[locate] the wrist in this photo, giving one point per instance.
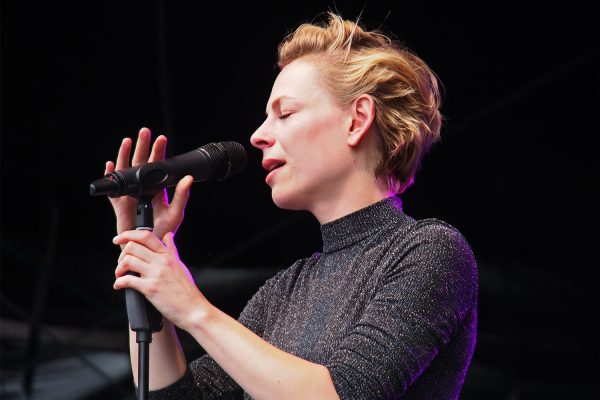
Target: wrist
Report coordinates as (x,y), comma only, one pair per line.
(200,317)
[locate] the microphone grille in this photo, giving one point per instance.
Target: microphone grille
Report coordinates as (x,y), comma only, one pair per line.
(228,158)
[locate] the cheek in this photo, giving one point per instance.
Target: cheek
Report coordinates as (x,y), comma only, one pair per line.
(330,141)
(322,162)
(315,144)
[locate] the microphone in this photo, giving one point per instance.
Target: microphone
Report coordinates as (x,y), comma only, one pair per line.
(211,162)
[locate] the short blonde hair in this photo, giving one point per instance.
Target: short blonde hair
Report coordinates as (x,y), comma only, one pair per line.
(405,90)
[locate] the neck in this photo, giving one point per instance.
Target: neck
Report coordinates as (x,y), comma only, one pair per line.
(354,195)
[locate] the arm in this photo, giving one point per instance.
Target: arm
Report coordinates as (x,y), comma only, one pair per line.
(425,293)
(261,369)
(168,361)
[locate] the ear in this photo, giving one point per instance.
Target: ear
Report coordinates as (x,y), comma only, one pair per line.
(363,114)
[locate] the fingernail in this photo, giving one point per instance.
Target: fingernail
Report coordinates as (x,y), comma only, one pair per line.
(115,239)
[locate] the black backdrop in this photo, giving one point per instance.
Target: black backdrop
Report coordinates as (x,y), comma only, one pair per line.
(515,171)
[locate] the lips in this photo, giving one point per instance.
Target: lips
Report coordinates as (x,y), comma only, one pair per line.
(272,165)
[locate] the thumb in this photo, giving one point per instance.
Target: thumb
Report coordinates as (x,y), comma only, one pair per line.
(168,240)
(182,194)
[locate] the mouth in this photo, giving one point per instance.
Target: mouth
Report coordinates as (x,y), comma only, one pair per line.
(272,166)
(276,166)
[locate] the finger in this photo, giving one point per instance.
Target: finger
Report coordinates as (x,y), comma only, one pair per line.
(169,241)
(137,250)
(109,167)
(142,237)
(133,264)
(130,281)
(159,149)
(182,194)
(142,146)
(124,153)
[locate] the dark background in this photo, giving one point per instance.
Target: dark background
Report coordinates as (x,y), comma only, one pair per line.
(515,172)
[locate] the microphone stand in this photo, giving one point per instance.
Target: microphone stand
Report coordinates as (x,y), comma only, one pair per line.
(144,318)
(214,161)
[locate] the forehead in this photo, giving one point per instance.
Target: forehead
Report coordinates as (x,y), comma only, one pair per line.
(300,80)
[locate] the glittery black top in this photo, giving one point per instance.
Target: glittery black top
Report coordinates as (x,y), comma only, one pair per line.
(389,307)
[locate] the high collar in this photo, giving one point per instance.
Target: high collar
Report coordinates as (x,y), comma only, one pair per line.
(359,224)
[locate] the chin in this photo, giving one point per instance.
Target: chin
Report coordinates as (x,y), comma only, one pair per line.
(288,201)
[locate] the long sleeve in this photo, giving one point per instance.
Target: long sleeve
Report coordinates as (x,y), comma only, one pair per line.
(389,307)
(204,378)
(417,309)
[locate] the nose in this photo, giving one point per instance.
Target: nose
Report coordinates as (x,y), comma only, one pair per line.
(261,138)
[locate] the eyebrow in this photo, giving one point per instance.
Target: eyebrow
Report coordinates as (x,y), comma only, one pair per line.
(277,101)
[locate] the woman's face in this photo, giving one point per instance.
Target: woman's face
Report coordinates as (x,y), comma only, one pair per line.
(303,139)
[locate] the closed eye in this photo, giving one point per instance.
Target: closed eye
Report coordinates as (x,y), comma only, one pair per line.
(284,116)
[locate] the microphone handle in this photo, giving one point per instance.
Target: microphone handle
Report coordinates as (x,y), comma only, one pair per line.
(143,317)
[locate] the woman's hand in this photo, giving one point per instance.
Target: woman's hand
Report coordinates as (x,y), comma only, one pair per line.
(164,279)
(168,284)
(167,218)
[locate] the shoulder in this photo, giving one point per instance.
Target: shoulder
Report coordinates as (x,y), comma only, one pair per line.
(408,234)
(287,277)
(435,249)
(432,231)
(444,241)
(268,299)
(434,258)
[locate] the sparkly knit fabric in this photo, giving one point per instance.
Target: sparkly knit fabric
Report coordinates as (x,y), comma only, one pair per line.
(389,307)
